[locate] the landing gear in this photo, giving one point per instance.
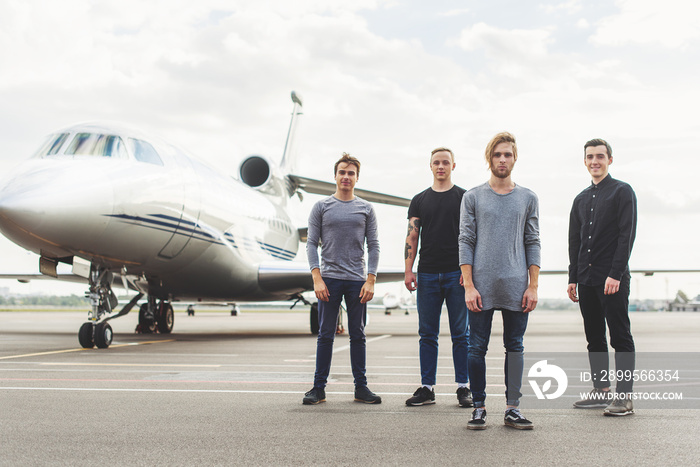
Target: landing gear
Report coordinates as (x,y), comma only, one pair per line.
(156,317)
(235,310)
(97,332)
(102,302)
(85,336)
(166,318)
(147,318)
(103,335)
(314,318)
(190,310)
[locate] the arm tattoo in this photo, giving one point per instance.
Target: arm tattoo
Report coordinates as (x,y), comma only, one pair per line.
(407,251)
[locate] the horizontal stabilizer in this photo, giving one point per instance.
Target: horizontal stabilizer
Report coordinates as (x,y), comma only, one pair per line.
(320,187)
(294,277)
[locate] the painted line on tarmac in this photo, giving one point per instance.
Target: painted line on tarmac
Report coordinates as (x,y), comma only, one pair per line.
(212,391)
(346,347)
(169,365)
(53,352)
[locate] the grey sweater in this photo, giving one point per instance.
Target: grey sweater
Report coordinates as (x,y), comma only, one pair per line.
(499,236)
(341,228)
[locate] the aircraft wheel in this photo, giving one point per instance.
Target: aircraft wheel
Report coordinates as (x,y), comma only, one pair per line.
(190,310)
(103,335)
(166,318)
(85,336)
(146,325)
(313,315)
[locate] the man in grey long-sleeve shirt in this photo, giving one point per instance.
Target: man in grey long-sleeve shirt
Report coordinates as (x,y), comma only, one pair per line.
(499,255)
(341,223)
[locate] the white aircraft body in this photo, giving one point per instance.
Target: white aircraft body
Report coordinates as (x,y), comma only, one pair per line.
(124,208)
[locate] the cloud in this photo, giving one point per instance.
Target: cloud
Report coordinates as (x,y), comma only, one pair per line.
(670,24)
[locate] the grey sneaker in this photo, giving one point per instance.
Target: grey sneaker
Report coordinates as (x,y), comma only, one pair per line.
(422,396)
(478,420)
(619,407)
(315,396)
(363,394)
(464,397)
(515,419)
(596,399)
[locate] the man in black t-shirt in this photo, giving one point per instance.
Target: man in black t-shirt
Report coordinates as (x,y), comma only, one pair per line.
(433,216)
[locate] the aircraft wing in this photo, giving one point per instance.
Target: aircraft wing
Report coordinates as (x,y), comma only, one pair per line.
(24,278)
(646,272)
(320,187)
(294,277)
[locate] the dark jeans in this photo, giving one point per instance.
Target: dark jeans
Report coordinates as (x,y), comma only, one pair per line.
(328,319)
(597,309)
(433,291)
(514,325)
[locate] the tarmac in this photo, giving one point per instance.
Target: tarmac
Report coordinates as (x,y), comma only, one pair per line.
(223,390)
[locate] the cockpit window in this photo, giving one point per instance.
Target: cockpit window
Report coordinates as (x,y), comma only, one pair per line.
(144,151)
(52,145)
(92,144)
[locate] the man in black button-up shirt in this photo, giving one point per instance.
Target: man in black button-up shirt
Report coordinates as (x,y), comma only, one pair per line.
(602,228)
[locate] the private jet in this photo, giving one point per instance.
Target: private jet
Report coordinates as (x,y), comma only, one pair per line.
(126,209)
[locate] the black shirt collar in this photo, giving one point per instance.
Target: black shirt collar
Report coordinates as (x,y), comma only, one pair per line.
(603,182)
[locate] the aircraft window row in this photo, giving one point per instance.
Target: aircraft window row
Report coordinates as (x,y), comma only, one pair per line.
(280,225)
(92,144)
(144,151)
(52,145)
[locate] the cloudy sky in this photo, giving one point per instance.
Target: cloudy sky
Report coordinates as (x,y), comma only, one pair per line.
(387,81)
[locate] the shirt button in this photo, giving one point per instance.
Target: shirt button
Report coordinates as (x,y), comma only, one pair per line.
(591,209)
(589,236)
(590,264)
(589,251)
(590,223)
(594,196)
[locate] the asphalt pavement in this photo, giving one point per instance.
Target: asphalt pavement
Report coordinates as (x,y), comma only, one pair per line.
(223,390)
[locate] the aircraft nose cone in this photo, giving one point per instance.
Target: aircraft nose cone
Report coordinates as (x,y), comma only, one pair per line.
(47,208)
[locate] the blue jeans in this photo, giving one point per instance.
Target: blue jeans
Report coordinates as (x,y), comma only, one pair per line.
(328,320)
(514,325)
(433,291)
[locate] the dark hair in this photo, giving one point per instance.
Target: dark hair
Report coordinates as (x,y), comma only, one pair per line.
(598,142)
(347,158)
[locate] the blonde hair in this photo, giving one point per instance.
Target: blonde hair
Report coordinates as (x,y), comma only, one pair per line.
(440,150)
(502,137)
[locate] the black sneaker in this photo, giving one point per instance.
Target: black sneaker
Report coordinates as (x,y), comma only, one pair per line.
(464,397)
(422,396)
(478,420)
(515,419)
(596,399)
(619,407)
(315,396)
(363,394)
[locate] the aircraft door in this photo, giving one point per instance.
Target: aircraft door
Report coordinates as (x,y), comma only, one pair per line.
(189,214)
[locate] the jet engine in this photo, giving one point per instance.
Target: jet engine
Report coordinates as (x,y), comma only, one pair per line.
(259,173)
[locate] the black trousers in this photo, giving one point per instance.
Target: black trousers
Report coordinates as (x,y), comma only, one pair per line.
(598,309)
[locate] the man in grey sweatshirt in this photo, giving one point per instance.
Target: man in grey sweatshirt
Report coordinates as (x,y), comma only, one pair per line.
(499,255)
(340,224)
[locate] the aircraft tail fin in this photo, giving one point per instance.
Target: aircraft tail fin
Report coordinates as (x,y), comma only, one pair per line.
(288,159)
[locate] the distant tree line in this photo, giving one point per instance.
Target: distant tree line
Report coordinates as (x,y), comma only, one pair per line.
(67,301)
